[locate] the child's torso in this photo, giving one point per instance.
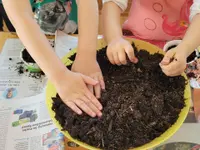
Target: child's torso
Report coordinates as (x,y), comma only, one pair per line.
(158,19)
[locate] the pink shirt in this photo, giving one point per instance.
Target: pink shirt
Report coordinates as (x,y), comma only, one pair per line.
(158,19)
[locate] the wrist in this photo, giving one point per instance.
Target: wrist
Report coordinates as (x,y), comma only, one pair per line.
(114,38)
(186,48)
(59,75)
(86,55)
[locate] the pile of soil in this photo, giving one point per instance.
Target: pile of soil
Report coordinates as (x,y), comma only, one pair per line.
(27,57)
(139,104)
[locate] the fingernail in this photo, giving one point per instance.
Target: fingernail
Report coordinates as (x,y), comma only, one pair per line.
(98,97)
(166,59)
(102,85)
(100,114)
(100,107)
(80,112)
(124,63)
(93,115)
(135,60)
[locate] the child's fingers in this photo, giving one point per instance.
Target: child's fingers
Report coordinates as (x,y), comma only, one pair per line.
(89,80)
(110,58)
(84,106)
(97,89)
(167,58)
(71,105)
(122,57)
(92,106)
(102,83)
(170,74)
(90,87)
(172,69)
(116,59)
(93,99)
(129,51)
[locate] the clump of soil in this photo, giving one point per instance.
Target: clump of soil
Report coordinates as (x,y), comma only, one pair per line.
(27,57)
(138,105)
(20,68)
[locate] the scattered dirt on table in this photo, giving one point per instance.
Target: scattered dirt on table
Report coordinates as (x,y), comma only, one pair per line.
(138,105)
(21,69)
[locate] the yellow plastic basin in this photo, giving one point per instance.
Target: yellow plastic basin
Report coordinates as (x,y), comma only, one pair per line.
(51,92)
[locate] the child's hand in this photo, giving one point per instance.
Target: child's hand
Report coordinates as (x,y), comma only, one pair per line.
(117,51)
(73,91)
(91,68)
(174,62)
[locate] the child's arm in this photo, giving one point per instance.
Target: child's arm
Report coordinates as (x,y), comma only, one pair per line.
(190,42)
(191,39)
(118,47)
(70,86)
(85,61)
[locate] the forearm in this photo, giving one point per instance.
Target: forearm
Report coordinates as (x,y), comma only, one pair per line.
(33,39)
(191,39)
(88,27)
(111,21)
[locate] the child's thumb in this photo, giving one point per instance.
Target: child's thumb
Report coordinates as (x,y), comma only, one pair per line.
(167,58)
(89,80)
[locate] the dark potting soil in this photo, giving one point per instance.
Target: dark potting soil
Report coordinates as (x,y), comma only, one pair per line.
(27,57)
(20,68)
(191,57)
(173,46)
(137,106)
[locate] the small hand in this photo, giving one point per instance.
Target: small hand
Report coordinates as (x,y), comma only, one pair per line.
(117,51)
(73,91)
(174,62)
(90,68)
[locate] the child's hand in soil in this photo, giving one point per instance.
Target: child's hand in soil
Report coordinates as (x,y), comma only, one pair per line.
(91,68)
(73,91)
(117,51)
(174,62)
